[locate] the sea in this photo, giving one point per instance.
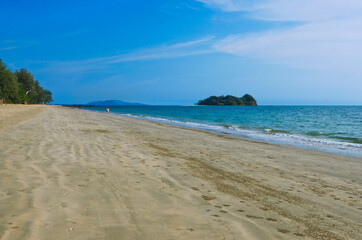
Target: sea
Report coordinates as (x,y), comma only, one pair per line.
(336,129)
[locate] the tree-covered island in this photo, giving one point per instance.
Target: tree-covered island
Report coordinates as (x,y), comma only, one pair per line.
(246,100)
(20,87)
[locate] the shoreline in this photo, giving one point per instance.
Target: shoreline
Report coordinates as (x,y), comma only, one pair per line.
(86,175)
(256,135)
(249,139)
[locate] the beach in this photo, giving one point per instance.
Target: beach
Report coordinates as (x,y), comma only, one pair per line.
(73,174)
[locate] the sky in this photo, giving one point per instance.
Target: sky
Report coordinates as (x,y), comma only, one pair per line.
(176,52)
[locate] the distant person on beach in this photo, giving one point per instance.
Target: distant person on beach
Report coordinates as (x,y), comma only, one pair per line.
(107,110)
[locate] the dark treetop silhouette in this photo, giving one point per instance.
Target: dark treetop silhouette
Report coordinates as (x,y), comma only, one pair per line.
(246,100)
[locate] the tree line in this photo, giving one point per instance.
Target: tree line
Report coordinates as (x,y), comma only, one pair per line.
(20,87)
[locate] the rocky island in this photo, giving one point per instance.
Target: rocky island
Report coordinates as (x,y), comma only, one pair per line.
(246,100)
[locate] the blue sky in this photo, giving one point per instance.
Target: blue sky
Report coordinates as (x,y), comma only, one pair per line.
(282,52)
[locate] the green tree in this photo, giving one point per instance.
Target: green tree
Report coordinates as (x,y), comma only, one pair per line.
(22,95)
(249,100)
(8,84)
(48,96)
(25,79)
(14,86)
(41,95)
(27,83)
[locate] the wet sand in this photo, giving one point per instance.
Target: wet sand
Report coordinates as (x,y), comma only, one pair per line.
(72,174)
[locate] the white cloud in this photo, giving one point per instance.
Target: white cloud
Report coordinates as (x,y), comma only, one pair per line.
(290,10)
(328,36)
(307,10)
(325,45)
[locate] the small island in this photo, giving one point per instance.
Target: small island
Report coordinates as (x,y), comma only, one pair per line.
(246,100)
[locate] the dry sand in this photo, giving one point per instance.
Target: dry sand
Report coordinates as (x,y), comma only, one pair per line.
(71,174)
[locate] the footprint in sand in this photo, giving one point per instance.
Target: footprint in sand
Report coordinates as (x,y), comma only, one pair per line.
(252,216)
(207,198)
(299,234)
(283,230)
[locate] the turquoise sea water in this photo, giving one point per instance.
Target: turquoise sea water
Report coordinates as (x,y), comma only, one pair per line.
(335,129)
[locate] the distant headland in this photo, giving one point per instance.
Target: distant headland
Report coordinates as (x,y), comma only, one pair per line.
(105,103)
(246,100)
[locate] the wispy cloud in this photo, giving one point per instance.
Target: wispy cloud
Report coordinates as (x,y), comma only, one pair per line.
(172,7)
(159,55)
(325,45)
(308,10)
(167,51)
(225,5)
(7,48)
(290,10)
(328,34)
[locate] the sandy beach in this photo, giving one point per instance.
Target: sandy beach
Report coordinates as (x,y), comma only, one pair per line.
(72,174)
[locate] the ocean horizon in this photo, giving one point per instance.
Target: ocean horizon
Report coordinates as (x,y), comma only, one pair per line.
(330,128)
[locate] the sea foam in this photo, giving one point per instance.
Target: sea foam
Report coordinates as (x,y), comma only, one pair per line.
(267,135)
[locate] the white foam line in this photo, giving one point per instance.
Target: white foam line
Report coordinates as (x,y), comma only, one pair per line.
(301,141)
